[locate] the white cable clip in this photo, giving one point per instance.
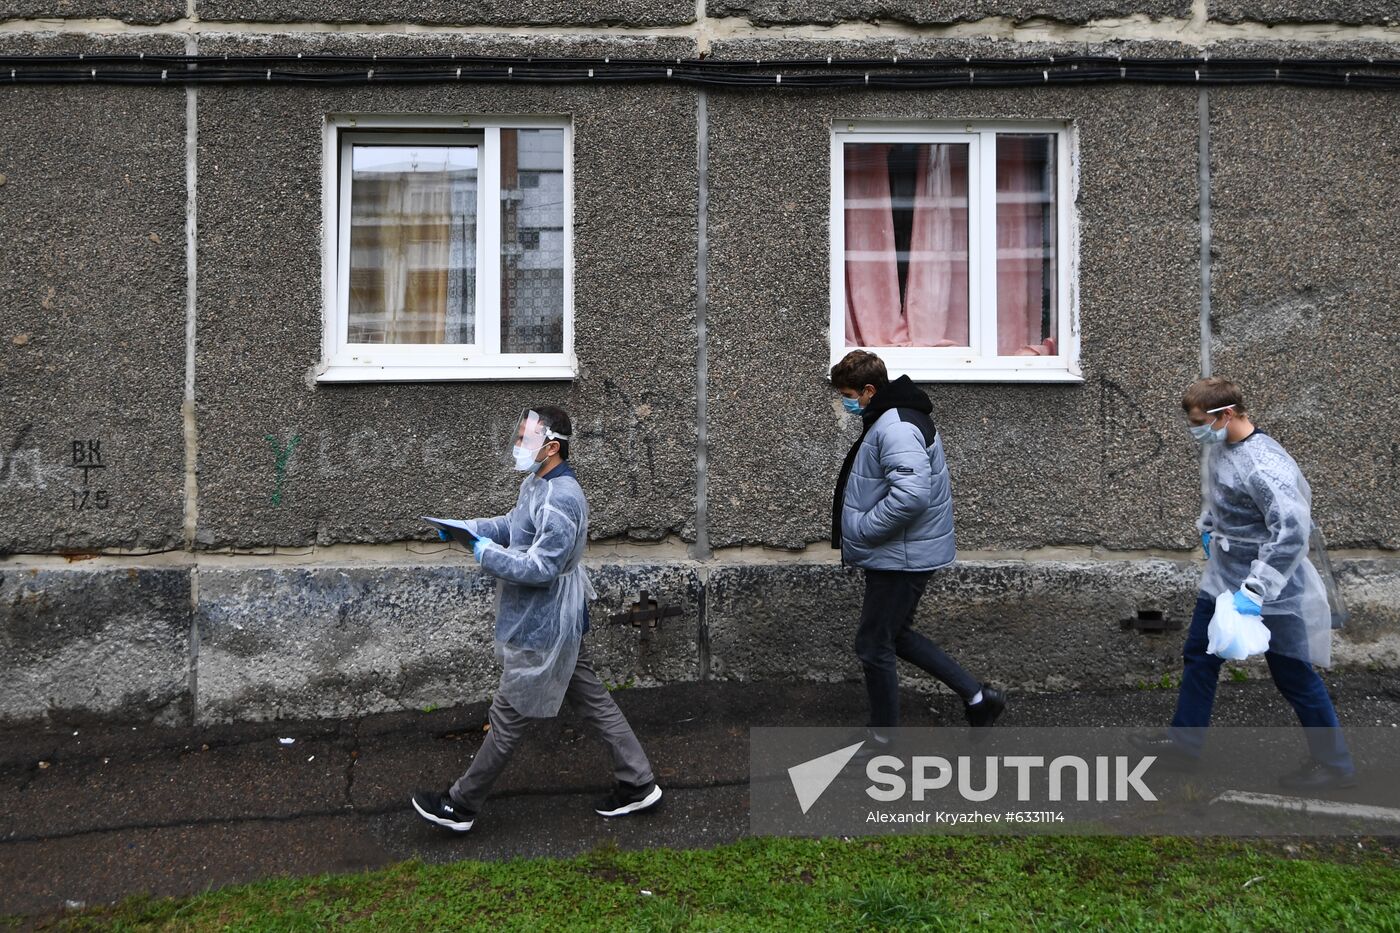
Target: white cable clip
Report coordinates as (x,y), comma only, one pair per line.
(298,55)
(370,76)
(1122,74)
(12,75)
(590,72)
(94,74)
(459,74)
(1346,78)
(269,74)
(607,59)
(163,73)
(867,77)
(1198,74)
(1047,76)
(510,72)
(970,76)
(780,79)
(828,59)
(668,72)
(895,60)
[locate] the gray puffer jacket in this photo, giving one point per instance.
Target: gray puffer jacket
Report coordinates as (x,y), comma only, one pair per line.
(894,501)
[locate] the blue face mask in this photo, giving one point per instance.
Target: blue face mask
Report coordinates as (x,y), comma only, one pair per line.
(852,405)
(1208,435)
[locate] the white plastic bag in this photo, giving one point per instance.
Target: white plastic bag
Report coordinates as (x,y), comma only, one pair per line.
(1233,635)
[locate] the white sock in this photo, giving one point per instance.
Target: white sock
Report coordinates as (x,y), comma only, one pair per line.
(975,700)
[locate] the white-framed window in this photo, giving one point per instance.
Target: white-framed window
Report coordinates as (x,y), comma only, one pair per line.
(448,250)
(952,249)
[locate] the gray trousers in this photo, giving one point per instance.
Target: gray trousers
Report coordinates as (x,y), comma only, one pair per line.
(590,700)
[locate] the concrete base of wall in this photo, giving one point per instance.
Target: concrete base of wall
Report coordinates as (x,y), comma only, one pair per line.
(262,643)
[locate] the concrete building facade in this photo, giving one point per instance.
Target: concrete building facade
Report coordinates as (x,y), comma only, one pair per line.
(203,518)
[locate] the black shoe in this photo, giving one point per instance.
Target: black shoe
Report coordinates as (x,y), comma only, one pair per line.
(1314,775)
(873,745)
(438,808)
(1172,754)
(986,711)
(629,798)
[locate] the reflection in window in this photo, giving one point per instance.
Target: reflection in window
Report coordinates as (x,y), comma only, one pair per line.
(413,244)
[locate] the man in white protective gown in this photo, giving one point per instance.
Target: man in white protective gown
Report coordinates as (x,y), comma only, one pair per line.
(1256,527)
(542,592)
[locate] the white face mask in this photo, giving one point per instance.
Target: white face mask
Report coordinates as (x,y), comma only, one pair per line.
(525,461)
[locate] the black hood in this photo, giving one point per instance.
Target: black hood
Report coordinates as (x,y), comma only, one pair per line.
(901,393)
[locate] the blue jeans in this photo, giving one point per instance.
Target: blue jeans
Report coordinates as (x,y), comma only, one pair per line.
(1295,679)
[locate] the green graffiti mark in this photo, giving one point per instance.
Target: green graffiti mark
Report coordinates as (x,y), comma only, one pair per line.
(283,455)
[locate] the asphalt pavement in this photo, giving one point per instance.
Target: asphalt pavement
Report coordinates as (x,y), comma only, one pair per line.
(90,814)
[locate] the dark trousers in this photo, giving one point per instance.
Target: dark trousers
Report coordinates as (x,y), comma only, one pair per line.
(591,701)
(1295,679)
(886,633)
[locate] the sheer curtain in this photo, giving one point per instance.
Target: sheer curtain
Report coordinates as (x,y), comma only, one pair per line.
(874,317)
(1025,246)
(919,298)
(935,303)
(933,310)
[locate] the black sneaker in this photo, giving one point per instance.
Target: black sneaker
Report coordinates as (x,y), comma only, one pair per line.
(873,746)
(629,798)
(1314,775)
(1172,754)
(438,808)
(986,711)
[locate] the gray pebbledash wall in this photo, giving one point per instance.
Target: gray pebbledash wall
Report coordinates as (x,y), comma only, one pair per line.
(250,549)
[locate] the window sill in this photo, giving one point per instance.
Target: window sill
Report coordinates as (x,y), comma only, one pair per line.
(1053,376)
(496,373)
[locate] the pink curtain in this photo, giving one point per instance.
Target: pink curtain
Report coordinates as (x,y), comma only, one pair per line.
(935,303)
(1025,240)
(873,316)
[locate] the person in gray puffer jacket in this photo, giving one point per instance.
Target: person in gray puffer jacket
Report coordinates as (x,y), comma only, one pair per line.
(893,517)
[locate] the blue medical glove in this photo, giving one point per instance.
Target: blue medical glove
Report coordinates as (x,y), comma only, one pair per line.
(478,546)
(1247,604)
(1205,543)
(443,536)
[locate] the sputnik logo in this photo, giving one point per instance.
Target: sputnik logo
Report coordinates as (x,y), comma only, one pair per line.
(811,778)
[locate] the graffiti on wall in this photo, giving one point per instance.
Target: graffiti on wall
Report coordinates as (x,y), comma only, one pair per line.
(24,468)
(87,457)
(282,455)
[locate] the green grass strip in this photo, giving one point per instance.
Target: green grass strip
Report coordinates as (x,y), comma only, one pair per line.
(917,883)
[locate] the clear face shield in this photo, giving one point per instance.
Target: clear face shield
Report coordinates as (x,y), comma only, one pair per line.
(532,433)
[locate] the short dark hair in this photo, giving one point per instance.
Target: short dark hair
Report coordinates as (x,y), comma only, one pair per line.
(858,369)
(1211,393)
(557,420)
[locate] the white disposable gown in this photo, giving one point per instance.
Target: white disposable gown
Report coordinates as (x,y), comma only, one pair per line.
(1258,509)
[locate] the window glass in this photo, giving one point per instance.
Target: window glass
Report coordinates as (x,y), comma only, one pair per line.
(906,217)
(413,244)
(532,241)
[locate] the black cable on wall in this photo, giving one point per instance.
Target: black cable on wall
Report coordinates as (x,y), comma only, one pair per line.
(816,74)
